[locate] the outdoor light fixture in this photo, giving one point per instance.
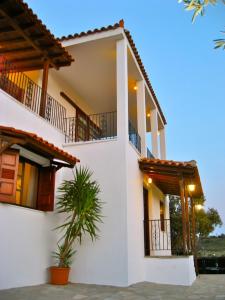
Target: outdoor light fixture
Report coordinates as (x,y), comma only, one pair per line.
(149,180)
(198,206)
(191,187)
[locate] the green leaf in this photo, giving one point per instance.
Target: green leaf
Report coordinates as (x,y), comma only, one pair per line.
(79,200)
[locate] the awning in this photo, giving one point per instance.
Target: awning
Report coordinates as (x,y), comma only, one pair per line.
(168,174)
(10,136)
(25,41)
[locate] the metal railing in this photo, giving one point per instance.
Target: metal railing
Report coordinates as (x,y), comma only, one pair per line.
(149,154)
(102,126)
(134,137)
(157,235)
(27,92)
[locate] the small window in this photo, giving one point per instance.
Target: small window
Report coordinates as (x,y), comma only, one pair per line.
(27,184)
(162,215)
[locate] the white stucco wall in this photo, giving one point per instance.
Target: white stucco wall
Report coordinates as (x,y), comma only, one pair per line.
(15,114)
(105,260)
(135,216)
(117,257)
(25,252)
(170,270)
(26,235)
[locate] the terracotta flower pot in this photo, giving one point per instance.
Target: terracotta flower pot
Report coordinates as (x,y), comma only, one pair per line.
(59,275)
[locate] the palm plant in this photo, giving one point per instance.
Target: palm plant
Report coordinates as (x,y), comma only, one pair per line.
(78,199)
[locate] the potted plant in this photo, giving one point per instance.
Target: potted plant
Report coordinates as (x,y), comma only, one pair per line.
(79,200)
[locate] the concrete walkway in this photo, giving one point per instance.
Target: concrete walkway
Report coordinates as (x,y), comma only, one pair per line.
(205,287)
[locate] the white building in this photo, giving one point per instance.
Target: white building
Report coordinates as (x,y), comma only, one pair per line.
(100,108)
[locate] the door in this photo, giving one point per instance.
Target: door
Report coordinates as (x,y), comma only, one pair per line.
(146,222)
(82,126)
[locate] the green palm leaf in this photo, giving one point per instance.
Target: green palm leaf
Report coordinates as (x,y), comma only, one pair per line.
(79,200)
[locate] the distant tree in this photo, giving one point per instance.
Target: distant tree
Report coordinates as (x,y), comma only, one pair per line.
(175,223)
(221,236)
(199,8)
(206,221)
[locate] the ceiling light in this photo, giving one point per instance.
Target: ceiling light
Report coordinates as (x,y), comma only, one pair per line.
(198,206)
(191,187)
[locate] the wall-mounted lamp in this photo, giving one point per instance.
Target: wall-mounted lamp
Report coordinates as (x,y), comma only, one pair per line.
(148,115)
(135,88)
(198,206)
(191,187)
(149,180)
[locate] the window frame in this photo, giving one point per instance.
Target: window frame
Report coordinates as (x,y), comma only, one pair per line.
(51,170)
(32,163)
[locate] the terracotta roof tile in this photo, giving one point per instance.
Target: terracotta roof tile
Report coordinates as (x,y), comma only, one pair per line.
(89,32)
(166,174)
(12,6)
(133,46)
(191,164)
(57,152)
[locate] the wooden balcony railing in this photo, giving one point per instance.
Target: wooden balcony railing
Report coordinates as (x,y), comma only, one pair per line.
(27,92)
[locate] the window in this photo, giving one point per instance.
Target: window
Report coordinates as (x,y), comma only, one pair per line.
(162,215)
(25,183)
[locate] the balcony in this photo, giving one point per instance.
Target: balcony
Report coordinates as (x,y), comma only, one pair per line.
(134,137)
(102,126)
(93,127)
(28,93)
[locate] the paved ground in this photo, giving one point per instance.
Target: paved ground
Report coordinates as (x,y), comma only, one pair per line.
(205,287)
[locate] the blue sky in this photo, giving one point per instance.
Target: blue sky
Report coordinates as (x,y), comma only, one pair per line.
(187,74)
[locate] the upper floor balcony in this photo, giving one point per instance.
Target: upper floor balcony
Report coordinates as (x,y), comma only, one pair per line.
(104,95)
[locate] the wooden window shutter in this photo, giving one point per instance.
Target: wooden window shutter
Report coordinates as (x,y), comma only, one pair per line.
(8,175)
(46,189)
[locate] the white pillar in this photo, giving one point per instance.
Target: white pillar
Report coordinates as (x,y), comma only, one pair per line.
(141,116)
(167,207)
(154,132)
(122,90)
(162,144)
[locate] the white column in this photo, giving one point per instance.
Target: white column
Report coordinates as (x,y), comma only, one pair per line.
(167,207)
(154,132)
(162,144)
(122,90)
(141,116)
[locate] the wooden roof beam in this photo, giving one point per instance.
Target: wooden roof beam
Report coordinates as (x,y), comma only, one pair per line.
(159,170)
(28,39)
(12,42)
(17,51)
